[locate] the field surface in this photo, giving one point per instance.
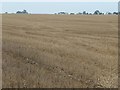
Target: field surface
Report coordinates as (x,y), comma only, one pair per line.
(59,51)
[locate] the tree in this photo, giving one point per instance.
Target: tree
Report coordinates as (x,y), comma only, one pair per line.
(90,13)
(84,12)
(79,13)
(115,13)
(18,12)
(63,13)
(22,12)
(109,13)
(6,12)
(72,14)
(97,12)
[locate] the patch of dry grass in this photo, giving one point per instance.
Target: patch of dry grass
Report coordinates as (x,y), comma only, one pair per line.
(60,51)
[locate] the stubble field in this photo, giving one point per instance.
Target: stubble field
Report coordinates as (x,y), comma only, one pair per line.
(59,51)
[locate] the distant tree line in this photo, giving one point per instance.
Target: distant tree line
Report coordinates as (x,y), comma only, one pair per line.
(97,12)
(19,12)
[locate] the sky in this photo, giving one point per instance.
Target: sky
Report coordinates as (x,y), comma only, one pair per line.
(55,7)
